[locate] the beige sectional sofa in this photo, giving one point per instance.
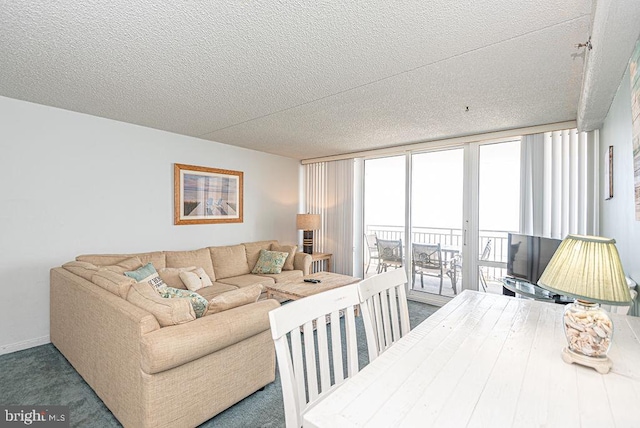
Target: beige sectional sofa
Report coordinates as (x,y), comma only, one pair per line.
(173,376)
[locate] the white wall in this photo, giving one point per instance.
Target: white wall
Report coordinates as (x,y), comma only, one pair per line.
(617,215)
(76,184)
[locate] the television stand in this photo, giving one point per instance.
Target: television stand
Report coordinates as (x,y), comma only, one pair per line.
(516,286)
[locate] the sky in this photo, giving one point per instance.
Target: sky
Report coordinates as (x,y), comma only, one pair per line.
(437,188)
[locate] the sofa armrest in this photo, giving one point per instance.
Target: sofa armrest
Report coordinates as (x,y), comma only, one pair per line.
(173,346)
(302,261)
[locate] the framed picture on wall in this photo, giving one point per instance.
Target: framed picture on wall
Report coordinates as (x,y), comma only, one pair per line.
(634,75)
(608,174)
(206,195)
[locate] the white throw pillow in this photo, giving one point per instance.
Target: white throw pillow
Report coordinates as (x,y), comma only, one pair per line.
(196,279)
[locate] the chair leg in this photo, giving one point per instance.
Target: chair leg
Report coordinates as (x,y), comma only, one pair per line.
(483,281)
(413,278)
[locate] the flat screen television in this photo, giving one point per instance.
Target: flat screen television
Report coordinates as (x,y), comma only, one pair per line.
(528,256)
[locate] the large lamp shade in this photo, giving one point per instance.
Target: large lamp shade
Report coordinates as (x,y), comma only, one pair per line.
(588,268)
(308,221)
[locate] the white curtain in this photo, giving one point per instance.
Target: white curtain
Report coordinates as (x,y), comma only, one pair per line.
(559,184)
(329,191)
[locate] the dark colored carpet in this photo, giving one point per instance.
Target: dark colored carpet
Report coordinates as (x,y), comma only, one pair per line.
(42,376)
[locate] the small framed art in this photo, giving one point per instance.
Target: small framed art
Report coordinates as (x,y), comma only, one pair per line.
(608,174)
(206,195)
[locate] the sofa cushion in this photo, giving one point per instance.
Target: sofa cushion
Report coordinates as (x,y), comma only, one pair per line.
(113,282)
(270,262)
(125,265)
(148,274)
(291,249)
(199,258)
(156,257)
(171,276)
(235,298)
(85,270)
(195,279)
(215,289)
(167,348)
(252,250)
(198,302)
(247,280)
(167,311)
(285,275)
(229,261)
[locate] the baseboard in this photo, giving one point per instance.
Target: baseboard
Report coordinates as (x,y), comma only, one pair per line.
(26,344)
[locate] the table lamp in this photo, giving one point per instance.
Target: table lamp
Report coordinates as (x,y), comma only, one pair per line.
(587,268)
(308,223)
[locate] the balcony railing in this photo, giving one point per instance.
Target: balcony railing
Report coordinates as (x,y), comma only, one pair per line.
(495,264)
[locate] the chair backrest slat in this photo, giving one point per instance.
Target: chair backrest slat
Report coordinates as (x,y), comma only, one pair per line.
(298,364)
(386,320)
(310,361)
(350,335)
(289,395)
(395,320)
(373,310)
(323,354)
(304,323)
(336,348)
(384,310)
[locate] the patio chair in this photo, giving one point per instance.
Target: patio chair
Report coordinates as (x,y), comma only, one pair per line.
(385,314)
(372,249)
(389,253)
(484,257)
(454,271)
(427,260)
(304,323)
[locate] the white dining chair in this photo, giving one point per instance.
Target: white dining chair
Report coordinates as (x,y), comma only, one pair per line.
(314,364)
(383,303)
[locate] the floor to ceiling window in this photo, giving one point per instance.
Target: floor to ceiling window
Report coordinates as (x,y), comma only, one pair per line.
(498,209)
(457,198)
(384,211)
(436,221)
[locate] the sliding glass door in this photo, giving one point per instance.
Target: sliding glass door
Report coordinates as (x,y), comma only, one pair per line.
(443,215)
(498,210)
(384,213)
(436,222)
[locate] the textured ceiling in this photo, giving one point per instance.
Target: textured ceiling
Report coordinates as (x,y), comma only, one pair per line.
(301,78)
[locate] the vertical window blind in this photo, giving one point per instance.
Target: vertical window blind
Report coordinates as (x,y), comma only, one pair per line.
(559,184)
(329,191)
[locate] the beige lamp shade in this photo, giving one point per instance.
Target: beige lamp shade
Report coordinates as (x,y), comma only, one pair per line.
(308,221)
(587,268)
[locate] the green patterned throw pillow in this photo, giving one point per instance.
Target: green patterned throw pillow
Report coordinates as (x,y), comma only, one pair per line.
(198,302)
(270,262)
(146,273)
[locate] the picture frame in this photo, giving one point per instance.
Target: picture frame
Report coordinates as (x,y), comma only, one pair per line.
(205,195)
(608,174)
(634,76)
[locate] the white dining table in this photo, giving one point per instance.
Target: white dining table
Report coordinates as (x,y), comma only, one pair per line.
(486,360)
